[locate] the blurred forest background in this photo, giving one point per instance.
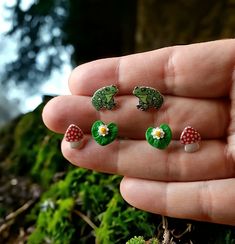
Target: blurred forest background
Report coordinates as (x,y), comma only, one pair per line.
(42,198)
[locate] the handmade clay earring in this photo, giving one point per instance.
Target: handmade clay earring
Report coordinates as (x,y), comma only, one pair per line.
(74,136)
(104,134)
(148,97)
(103,98)
(190,138)
(159,137)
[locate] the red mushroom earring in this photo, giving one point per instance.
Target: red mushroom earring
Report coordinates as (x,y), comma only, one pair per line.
(190,138)
(74,136)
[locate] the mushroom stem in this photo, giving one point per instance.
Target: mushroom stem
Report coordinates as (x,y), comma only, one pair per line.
(190,148)
(76,144)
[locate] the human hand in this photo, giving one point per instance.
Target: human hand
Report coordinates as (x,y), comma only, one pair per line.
(198,84)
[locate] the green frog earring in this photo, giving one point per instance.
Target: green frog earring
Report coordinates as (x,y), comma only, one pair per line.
(148,97)
(103,98)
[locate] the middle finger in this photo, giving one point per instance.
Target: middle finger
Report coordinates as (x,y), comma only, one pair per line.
(178,112)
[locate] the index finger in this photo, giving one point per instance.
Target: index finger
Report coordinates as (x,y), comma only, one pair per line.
(197,70)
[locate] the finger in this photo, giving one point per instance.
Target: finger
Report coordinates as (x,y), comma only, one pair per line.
(198,70)
(210,201)
(177,112)
(139,159)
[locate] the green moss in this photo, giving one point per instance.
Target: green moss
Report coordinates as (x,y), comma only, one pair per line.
(229,237)
(119,220)
(28,136)
(48,159)
(35,150)
(96,196)
(53,223)
(7,138)
(136,240)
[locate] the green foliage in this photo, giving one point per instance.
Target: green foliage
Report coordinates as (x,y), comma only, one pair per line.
(119,220)
(28,135)
(39,31)
(7,139)
(44,167)
(53,223)
(136,240)
(140,240)
(229,238)
(36,149)
(48,29)
(96,196)
(153,241)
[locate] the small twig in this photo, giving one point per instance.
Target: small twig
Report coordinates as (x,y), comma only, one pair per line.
(166,234)
(188,229)
(10,218)
(164,223)
(86,219)
(20,210)
(6,225)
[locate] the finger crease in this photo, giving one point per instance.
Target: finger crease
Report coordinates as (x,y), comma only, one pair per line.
(117,72)
(117,158)
(170,73)
(205,201)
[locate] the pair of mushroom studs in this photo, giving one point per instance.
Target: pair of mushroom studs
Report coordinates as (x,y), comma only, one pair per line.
(158,137)
(104,134)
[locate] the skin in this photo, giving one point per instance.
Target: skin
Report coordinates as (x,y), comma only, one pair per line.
(198,84)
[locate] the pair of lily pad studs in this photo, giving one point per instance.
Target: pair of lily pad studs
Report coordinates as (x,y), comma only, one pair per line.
(158,137)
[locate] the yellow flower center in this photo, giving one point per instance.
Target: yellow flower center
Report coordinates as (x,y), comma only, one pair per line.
(103,130)
(158,133)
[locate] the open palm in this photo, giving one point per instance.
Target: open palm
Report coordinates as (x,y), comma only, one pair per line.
(198,84)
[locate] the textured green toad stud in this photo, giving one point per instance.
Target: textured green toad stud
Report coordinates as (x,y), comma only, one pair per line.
(104,134)
(103,98)
(159,137)
(148,97)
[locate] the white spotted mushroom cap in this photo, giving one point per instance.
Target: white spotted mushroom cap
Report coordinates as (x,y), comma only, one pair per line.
(74,134)
(189,136)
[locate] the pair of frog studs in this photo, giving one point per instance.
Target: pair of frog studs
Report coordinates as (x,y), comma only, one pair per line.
(158,137)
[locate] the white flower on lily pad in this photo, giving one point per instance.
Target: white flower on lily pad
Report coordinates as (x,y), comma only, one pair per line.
(103,130)
(158,133)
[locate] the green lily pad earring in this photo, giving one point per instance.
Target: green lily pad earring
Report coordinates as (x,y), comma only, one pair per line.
(159,137)
(104,134)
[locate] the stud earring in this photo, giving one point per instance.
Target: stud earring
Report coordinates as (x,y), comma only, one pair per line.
(190,138)
(103,98)
(104,134)
(74,136)
(159,137)
(148,97)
